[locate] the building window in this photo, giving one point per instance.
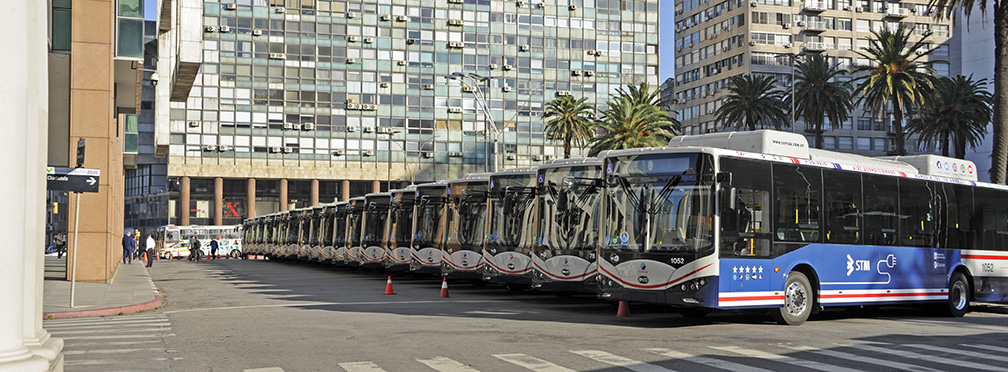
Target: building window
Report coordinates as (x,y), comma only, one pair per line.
(130,31)
(61,25)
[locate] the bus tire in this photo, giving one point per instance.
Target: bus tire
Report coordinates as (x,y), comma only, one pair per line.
(797,301)
(234,253)
(958,297)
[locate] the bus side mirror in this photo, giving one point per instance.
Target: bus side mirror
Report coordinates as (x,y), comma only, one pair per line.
(724,177)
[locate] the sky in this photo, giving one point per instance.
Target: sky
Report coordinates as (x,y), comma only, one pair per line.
(666,21)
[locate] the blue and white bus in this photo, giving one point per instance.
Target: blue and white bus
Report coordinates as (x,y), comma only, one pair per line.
(746,220)
(511,235)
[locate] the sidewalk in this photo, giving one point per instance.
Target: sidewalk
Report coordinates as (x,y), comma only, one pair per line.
(130,291)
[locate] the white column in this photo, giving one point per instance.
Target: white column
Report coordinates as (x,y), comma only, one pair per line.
(19,23)
(38,340)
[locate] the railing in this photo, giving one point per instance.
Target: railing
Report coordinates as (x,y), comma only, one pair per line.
(817,46)
(815,6)
(897,12)
(816,26)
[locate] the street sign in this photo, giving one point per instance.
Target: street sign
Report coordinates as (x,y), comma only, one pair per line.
(80,152)
(72,179)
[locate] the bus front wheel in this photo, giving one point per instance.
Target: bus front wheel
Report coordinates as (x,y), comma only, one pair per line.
(958,296)
(797,301)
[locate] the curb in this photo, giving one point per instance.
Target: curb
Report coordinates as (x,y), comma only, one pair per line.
(111,311)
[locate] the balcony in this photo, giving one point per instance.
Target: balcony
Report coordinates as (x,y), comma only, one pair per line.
(897,12)
(815,6)
(816,26)
(816,46)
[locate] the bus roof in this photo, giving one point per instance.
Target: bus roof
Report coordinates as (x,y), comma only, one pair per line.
(572,162)
(515,171)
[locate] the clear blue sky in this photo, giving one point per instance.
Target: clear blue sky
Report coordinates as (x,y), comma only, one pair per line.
(667,45)
(150,10)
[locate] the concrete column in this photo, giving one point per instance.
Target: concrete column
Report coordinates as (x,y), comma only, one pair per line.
(314,192)
(250,211)
(184,201)
(19,101)
(376,186)
(345,190)
(283,194)
(218,201)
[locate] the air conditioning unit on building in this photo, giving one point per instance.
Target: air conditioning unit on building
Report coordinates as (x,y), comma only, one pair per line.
(210,28)
(575,72)
(787,26)
(352,38)
(338,152)
(225,28)
(351,128)
(493,66)
(455,110)
(290,126)
(231,6)
(427,154)
(455,1)
(454,154)
(368,129)
(541,5)
(800,23)
(209,147)
(524,47)
(401,18)
(351,15)
(368,152)
(859,9)
(288,149)
(193,124)
(506,89)
(508,67)
(787,45)
(428,86)
(511,157)
(368,40)
(846,7)
(537,157)
(519,4)
(386,17)
(455,22)
(308,126)
(753,4)
(223,148)
(256,32)
(351,61)
(563,93)
(572,7)
(467,88)
(456,45)
(410,41)
(401,63)
(752,43)
(590,52)
(279,9)
(589,73)
(384,84)
(277,56)
(276,149)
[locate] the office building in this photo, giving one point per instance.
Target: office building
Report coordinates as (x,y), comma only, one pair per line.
(280,104)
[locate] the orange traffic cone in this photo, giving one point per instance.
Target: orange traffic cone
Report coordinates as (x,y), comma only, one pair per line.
(624,309)
(444,288)
(388,287)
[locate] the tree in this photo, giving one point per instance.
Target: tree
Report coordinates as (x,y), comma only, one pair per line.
(957,112)
(632,119)
(820,96)
(569,120)
(999,159)
(753,100)
(896,77)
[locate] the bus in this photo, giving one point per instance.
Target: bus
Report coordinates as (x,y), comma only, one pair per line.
(327,222)
(400,234)
(563,256)
(375,224)
(172,242)
(461,255)
(339,240)
(757,220)
(512,228)
(355,226)
(429,227)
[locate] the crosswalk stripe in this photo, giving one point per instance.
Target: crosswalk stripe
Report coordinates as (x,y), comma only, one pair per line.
(102,323)
(269,369)
(782,359)
(930,358)
(987,347)
(105,320)
(115,336)
(619,361)
(110,351)
(443,364)
(361,367)
(107,343)
(961,352)
(865,359)
(120,331)
(531,363)
(707,361)
(107,326)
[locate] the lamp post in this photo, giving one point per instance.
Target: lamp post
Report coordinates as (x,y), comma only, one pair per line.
(473,81)
(388,184)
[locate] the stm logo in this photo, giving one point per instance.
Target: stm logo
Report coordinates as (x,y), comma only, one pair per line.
(857,265)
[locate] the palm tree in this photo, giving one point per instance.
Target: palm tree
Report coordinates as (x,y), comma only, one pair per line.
(633,120)
(999,159)
(570,121)
(819,95)
(957,112)
(753,100)
(897,77)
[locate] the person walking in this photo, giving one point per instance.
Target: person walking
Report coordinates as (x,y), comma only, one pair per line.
(60,244)
(194,249)
(150,250)
(128,245)
(214,245)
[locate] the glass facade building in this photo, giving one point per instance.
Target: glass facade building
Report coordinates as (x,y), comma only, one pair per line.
(312,90)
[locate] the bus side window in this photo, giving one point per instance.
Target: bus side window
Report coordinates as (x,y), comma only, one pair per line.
(744,227)
(992,217)
(917,212)
(797,205)
(842,212)
(880,195)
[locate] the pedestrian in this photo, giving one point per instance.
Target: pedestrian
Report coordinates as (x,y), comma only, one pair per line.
(194,249)
(150,250)
(128,245)
(213,248)
(60,245)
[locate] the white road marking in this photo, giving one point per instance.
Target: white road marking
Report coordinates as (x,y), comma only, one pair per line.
(620,361)
(302,304)
(532,363)
(987,347)
(361,367)
(115,337)
(113,351)
(968,353)
(865,359)
(443,364)
(783,359)
(269,369)
(707,361)
(930,358)
(116,331)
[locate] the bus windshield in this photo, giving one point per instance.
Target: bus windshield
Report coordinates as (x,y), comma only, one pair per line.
(354,225)
(511,218)
(569,208)
(374,227)
(428,220)
(340,226)
(660,203)
(468,211)
(402,218)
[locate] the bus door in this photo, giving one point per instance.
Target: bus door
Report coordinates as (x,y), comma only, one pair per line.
(745,244)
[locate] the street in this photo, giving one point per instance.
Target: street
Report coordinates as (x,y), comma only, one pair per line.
(234,315)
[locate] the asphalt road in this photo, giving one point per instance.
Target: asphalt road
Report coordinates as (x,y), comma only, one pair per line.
(233,315)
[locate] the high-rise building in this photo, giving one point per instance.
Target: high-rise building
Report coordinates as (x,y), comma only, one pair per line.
(286,103)
(719,39)
(972,48)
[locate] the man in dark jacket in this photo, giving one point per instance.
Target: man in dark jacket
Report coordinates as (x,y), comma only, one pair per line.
(194,249)
(214,245)
(128,245)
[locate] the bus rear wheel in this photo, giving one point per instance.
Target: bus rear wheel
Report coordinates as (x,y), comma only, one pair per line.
(234,253)
(958,297)
(797,301)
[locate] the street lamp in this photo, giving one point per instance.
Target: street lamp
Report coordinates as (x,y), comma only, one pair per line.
(471,80)
(388,184)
